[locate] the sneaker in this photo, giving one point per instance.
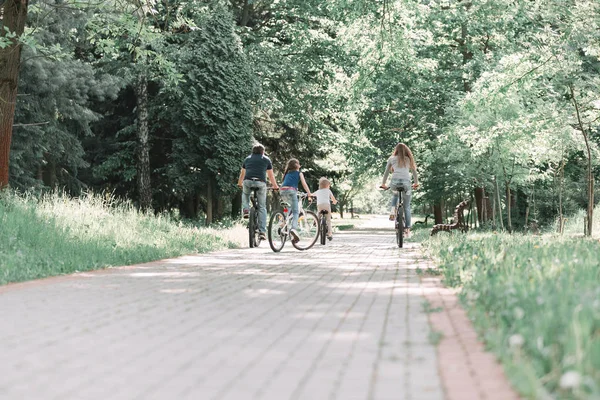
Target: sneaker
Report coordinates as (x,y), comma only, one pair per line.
(407,234)
(330,238)
(392,217)
(245,213)
(262,236)
(294,235)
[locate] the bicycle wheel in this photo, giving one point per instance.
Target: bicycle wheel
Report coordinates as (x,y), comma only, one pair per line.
(257,239)
(308,231)
(276,232)
(323,228)
(400,226)
(252,228)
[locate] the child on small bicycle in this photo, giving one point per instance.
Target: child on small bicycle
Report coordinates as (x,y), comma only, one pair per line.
(289,191)
(324,196)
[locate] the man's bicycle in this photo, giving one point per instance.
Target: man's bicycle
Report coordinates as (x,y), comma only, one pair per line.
(400,222)
(280,225)
(254,238)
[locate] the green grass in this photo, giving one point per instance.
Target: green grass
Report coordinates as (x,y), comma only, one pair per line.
(58,235)
(536,302)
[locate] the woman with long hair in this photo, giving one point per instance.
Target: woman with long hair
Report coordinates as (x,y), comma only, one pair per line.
(401,164)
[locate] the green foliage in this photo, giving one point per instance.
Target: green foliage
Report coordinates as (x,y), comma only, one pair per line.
(53,113)
(214,115)
(535,301)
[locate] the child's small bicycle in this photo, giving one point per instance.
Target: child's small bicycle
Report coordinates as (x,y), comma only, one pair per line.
(323,225)
(280,225)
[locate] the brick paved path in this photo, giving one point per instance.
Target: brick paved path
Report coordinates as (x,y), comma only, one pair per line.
(343,321)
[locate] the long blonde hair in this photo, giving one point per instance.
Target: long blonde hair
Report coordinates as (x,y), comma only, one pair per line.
(401,151)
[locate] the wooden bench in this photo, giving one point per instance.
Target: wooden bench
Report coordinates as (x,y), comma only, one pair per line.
(458,220)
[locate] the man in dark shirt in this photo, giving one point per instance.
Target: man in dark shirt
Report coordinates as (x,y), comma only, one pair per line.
(254,173)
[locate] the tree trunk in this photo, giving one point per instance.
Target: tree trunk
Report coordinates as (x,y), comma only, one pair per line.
(49,172)
(527,218)
(487,206)
(246,13)
(220,206)
(466,54)
(494,211)
(236,205)
(209,202)
(14,16)
(508,208)
(561,178)
(143,149)
(499,204)
(480,203)
(590,176)
(437,213)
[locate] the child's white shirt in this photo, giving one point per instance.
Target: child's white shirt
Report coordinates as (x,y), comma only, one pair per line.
(323,196)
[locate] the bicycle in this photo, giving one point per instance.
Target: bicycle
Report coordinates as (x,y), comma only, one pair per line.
(323,225)
(280,225)
(400,222)
(254,238)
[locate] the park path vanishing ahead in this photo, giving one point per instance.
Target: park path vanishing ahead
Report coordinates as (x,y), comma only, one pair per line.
(341,321)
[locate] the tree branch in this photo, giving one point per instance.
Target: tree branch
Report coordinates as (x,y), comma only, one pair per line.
(34,124)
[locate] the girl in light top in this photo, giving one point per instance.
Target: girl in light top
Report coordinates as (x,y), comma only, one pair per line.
(401,164)
(324,196)
(289,191)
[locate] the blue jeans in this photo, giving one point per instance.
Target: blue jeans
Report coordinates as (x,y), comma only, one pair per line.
(406,196)
(291,196)
(247,185)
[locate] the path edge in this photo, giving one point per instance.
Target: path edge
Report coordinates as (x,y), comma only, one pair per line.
(466,369)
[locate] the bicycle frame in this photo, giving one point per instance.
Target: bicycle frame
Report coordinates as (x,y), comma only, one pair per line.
(253,230)
(399,218)
(400,222)
(323,225)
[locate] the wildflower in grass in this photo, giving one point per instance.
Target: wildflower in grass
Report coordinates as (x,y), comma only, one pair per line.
(472,295)
(570,380)
(540,300)
(519,313)
(516,341)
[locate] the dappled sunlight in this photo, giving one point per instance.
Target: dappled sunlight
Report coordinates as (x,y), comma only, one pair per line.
(174,291)
(180,280)
(262,292)
(172,274)
(309,315)
(349,336)
(373,286)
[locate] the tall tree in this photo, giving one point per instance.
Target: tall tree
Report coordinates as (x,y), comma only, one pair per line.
(211,115)
(13,14)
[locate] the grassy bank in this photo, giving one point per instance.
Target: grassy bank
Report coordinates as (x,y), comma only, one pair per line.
(57,235)
(536,302)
